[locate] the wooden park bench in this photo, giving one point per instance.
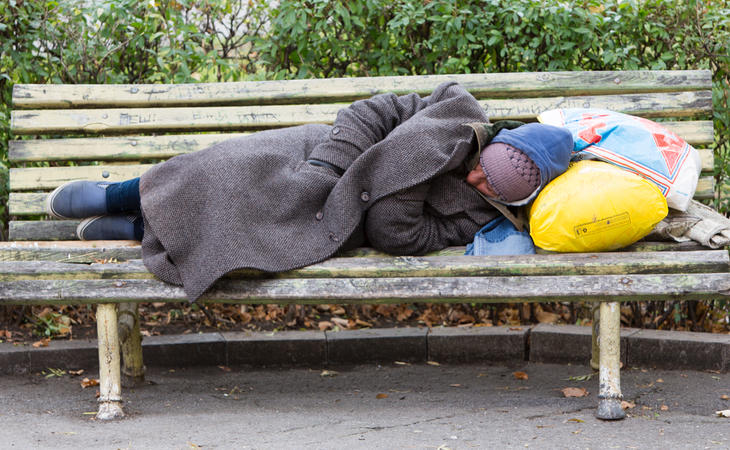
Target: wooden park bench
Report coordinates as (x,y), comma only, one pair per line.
(115,132)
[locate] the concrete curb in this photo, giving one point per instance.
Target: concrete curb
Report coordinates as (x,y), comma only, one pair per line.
(542,343)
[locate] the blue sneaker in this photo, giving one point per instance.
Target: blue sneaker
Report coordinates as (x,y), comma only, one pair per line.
(77,200)
(104,228)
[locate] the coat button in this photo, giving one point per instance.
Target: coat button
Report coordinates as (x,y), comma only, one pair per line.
(335,130)
(365,196)
(319,215)
(333,238)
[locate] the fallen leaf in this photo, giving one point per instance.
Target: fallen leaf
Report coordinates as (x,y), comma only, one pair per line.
(574,392)
(42,343)
(664,408)
(362,323)
(324,325)
(520,375)
(76,372)
(381,396)
(329,373)
(627,405)
(87,382)
(723,413)
(660,380)
(577,431)
(340,322)
(402,363)
(455,385)
(575,420)
(724,397)
(224,368)
(432,363)
(515,328)
(545,317)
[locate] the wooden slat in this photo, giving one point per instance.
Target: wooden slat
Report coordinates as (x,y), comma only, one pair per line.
(113,148)
(93,251)
(698,133)
(410,266)
(29,204)
(140,120)
(52,177)
(42,230)
(504,85)
(33,203)
(705,188)
(708,159)
(380,290)
(70,251)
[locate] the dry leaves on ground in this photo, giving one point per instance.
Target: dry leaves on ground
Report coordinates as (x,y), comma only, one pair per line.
(88,382)
(574,392)
(627,405)
(42,343)
(381,396)
(520,375)
(723,413)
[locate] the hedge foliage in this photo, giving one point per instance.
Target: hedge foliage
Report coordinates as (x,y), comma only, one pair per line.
(164,41)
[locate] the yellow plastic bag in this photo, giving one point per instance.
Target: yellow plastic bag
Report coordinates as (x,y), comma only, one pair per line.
(594,207)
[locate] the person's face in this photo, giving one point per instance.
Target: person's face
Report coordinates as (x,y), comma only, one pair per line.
(478,179)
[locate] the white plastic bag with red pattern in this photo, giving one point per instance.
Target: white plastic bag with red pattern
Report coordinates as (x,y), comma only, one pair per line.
(638,145)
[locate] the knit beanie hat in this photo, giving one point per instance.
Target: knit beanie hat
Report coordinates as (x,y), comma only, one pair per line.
(511,173)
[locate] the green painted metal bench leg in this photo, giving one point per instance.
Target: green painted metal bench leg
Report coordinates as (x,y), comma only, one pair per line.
(110,388)
(130,341)
(609,375)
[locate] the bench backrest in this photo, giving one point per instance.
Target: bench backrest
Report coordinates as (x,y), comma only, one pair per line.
(116,132)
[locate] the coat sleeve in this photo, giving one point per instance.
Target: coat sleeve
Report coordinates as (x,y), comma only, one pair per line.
(405,224)
(367,122)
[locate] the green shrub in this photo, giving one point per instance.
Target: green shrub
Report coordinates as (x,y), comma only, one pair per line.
(120,41)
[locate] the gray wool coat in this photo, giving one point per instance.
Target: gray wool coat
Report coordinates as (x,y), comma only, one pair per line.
(255,201)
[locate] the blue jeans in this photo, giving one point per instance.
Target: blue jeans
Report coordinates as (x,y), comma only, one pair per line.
(500,237)
(123,198)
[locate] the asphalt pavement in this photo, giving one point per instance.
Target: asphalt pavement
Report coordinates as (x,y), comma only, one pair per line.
(384,405)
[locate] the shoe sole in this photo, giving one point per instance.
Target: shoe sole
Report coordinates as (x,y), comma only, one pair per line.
(81,228)
(49,202)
